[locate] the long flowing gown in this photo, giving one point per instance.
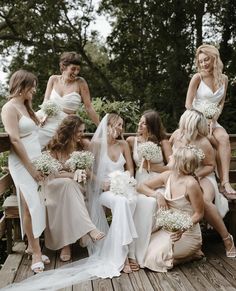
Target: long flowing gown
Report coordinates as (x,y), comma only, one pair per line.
(118,243)
(23,181)
(66,213)
(146,207)
(70,101)
(162,252)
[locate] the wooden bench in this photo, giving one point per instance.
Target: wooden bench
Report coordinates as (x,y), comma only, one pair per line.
(10,220)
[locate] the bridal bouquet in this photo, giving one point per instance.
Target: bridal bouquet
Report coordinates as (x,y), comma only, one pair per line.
(173,220)
(50,108)
(148,151)
(209,110)
(121,183)
(78,163)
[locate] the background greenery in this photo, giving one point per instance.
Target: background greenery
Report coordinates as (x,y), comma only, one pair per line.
(147,59)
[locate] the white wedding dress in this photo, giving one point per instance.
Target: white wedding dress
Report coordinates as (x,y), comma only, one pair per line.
(23,181)
(70,102)
(146,207)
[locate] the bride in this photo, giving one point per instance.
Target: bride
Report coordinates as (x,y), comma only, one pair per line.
(114,253)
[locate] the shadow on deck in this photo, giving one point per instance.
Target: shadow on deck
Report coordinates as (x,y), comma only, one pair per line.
(214,272)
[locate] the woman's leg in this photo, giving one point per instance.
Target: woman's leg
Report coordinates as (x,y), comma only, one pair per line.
(33,242)
(212,215)
(224,156)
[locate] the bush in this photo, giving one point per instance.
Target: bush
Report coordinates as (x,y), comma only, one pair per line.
(128,110)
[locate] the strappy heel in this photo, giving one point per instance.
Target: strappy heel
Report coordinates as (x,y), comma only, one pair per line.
(37,267)
(45,259)
(96,235)
(127,268)
(231,253)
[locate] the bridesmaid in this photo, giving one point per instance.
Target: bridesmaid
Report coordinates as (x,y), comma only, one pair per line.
(21,124)
(182,193)
(150,128)
(193,130)
(67,217)
(69,91)
(210,85)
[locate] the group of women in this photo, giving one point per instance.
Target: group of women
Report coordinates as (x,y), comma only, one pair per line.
(182,177)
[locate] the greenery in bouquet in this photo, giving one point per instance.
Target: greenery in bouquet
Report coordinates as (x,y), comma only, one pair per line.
(173,220)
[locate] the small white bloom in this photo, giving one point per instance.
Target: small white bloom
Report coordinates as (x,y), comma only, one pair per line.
(47,164)
(50,108)
(80,160)
(149,151)
(209,110)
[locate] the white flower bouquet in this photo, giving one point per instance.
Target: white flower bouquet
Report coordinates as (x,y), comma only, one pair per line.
(121,183)
(173,220)
(209,110)
(47,164)
(148,151)
(82,160)
(199,152)
(50,108)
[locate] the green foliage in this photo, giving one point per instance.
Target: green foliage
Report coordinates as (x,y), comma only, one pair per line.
(128,110)
(3,163)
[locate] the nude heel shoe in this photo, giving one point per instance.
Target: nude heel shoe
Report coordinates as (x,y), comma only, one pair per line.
(232,252)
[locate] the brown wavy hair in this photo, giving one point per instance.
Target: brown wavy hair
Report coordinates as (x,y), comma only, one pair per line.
(65,138)
(69,58)
(21,82)
(156,130)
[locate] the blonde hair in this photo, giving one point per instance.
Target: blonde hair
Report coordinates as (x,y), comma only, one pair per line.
(213,53)
(192,123)
(186,160)
(21,82)
(112,121)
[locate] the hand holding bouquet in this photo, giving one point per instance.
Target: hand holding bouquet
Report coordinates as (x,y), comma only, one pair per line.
(47,165)
(211,111)
(79,162)
(50,109)
(148,151)
(121,183)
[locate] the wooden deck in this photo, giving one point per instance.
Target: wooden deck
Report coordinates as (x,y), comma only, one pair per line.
(214,272)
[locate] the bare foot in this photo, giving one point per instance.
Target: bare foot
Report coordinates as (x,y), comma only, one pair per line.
(65,254)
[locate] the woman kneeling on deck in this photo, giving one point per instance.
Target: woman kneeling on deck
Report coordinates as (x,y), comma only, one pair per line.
(183,195)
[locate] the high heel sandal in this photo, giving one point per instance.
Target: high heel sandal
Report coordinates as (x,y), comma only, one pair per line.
(134,265)
(65,257)
(228,195)
(37,267)
(232,252)
(96,235)
(45,259)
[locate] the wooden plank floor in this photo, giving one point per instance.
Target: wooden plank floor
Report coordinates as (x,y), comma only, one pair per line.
(214,272)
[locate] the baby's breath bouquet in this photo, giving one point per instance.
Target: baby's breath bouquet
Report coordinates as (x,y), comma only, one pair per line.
(47,165)
(148,151)
(82,160)
(121,183)
(173,220)
(50,108)
(209,110)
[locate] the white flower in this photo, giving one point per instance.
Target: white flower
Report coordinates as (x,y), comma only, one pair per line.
(199,152)
(50,108)
(47,164)
(149,151)
(173,220)
(80,160)
(121,183)
(209,110)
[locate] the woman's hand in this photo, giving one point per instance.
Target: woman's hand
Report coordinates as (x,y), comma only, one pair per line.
(161,202)
(106,186)
(37,175)
(175,236)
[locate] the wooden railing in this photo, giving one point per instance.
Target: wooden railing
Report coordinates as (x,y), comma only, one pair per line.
(10,221)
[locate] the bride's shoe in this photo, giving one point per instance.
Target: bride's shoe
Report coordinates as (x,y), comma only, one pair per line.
(84,241)
(231,253)
(96,235)
(127,268)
